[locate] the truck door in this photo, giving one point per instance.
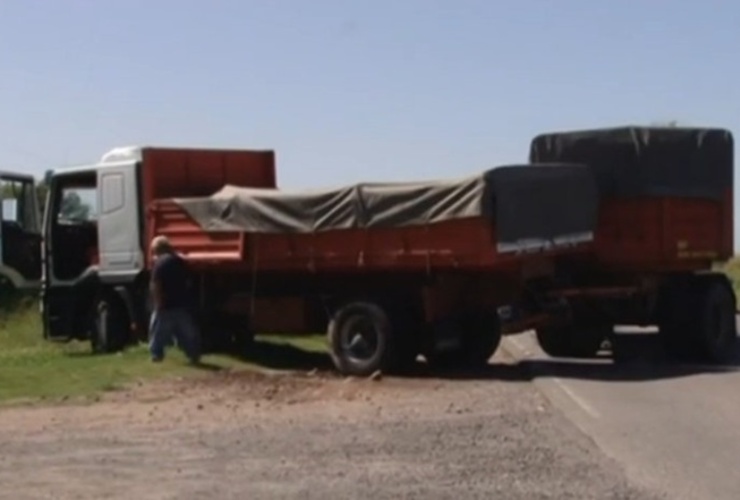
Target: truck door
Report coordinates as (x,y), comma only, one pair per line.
(70,254)
(20,235)
(119,223)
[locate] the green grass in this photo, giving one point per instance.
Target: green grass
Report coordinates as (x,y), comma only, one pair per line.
(32,368)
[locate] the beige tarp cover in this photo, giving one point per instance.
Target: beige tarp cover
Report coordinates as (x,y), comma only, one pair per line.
(526,202)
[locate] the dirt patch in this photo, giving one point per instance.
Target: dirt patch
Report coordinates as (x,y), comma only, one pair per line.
(314,435)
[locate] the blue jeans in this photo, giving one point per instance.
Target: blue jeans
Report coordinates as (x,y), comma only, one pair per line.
(177,323)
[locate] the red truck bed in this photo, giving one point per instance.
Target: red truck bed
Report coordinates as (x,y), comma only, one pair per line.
(666,193)
(488,221)
(185,172)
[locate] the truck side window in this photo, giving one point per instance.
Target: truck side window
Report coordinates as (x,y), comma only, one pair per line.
(74,230)
(113,192)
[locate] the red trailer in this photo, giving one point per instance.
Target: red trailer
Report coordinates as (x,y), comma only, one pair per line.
(388,270)
(665,219)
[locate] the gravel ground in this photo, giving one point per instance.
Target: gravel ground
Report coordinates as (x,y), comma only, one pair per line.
(313,436)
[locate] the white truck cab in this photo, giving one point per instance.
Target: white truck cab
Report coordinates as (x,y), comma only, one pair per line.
(93,246)
(88,256)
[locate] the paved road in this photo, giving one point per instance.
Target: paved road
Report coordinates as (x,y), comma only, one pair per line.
(675,428)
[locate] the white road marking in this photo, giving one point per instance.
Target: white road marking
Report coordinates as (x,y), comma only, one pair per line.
(525,353)
(577,399)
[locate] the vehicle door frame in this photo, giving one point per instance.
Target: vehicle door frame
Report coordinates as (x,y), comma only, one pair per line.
(66,305)
(13,275)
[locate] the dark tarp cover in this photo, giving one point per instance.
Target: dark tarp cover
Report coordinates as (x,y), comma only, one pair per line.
(528,203)
(634,161)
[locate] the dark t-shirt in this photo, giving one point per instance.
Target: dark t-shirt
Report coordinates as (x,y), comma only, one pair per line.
(171,272)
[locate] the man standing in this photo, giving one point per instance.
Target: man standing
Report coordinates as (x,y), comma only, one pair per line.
(170,291)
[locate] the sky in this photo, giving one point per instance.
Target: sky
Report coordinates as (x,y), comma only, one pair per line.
(349,90)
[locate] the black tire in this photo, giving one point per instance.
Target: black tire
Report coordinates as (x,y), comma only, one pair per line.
(717,325)
(713,333)
(697,322)
(361,340)
(675,317)
(554,341)
(111,329)
(480,333)
(576,341)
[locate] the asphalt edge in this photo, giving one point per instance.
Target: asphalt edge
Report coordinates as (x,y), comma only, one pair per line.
(569,407)
(560,396)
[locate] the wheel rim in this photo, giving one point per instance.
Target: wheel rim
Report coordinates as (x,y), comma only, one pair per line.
(360,339)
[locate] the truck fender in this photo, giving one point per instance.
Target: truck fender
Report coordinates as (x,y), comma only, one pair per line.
(12,276)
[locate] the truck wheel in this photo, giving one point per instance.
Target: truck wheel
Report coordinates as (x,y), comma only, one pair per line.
(675,307)
(554,341)
(714,328)
(574,341)
(361,339)
(698,320)
(110,332)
